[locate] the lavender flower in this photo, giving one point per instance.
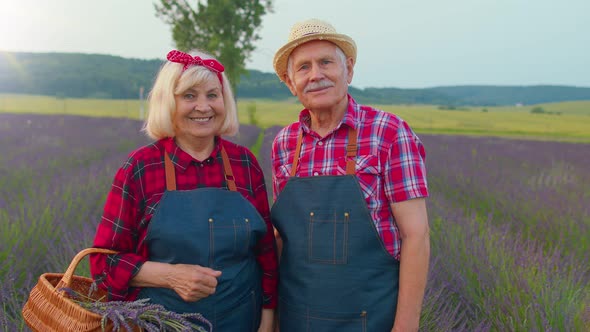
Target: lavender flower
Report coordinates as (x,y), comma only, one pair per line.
(139,313)
(510,220)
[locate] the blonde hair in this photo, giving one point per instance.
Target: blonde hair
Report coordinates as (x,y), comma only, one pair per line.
(171,81)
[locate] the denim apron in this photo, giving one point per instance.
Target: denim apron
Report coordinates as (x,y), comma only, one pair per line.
(215,228)
(335,273)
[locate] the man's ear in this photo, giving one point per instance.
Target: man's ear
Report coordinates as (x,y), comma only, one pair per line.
(291,85)
(350,67)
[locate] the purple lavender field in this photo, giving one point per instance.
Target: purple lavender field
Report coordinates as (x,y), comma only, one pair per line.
(510,219)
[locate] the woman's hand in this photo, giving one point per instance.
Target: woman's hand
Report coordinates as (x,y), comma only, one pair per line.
(192,282)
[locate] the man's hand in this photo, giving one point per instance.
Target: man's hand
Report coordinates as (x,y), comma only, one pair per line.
(267,321)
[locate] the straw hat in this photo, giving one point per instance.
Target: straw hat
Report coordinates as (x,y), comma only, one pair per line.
(303,32)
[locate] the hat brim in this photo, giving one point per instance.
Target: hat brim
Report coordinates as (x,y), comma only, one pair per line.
(346,44)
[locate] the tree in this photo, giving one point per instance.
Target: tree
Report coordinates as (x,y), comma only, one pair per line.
(225,28)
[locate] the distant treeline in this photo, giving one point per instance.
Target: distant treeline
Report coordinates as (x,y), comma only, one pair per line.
(76,75)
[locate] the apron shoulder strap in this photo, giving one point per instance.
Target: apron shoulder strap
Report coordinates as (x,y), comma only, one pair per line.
(171,175)
(297,152)
(351,150)
(229,175)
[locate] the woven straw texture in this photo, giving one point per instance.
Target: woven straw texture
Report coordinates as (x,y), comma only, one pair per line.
(49,309)
(303,32)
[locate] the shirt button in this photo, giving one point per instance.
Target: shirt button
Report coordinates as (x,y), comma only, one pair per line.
(320,143)
(316,173)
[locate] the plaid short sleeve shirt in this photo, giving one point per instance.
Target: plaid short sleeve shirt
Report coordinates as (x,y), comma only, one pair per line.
(390,162)
(134,196)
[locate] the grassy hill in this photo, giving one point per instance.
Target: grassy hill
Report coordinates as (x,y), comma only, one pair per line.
(76,75)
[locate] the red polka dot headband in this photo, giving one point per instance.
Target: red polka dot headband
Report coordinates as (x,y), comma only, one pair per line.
(188,60)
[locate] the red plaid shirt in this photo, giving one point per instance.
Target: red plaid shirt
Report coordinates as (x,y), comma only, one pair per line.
(138,187)
(390,162)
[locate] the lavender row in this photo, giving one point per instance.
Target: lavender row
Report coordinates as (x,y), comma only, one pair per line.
(55,172)
(509,218)
(540,188)
(246,136)
(510,228)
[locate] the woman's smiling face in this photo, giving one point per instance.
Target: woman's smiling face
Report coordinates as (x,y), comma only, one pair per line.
(200,111)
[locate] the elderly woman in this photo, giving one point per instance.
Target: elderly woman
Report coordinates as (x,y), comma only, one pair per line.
(188,214)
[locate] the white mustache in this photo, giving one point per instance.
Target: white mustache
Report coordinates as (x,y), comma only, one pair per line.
(318,85)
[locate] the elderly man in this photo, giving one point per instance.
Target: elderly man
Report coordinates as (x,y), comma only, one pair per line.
(349,183)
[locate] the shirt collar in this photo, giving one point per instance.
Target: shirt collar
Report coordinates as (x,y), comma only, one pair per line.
(350,118)
(182,159)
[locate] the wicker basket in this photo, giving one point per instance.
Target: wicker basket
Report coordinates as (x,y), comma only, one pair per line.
(49,309)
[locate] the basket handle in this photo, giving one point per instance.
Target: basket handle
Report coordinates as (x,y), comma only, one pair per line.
(66,279)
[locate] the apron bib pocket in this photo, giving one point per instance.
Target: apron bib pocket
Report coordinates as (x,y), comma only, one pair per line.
(328,237)
(229,241)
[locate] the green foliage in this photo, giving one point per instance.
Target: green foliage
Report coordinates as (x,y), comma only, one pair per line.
(452,108)
(258,145)
(225,28)
(541,110)
(252,114)
(489,95)
(256,84)
(67,75)
(75,75)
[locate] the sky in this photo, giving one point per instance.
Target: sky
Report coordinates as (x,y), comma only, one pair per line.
(401,43)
